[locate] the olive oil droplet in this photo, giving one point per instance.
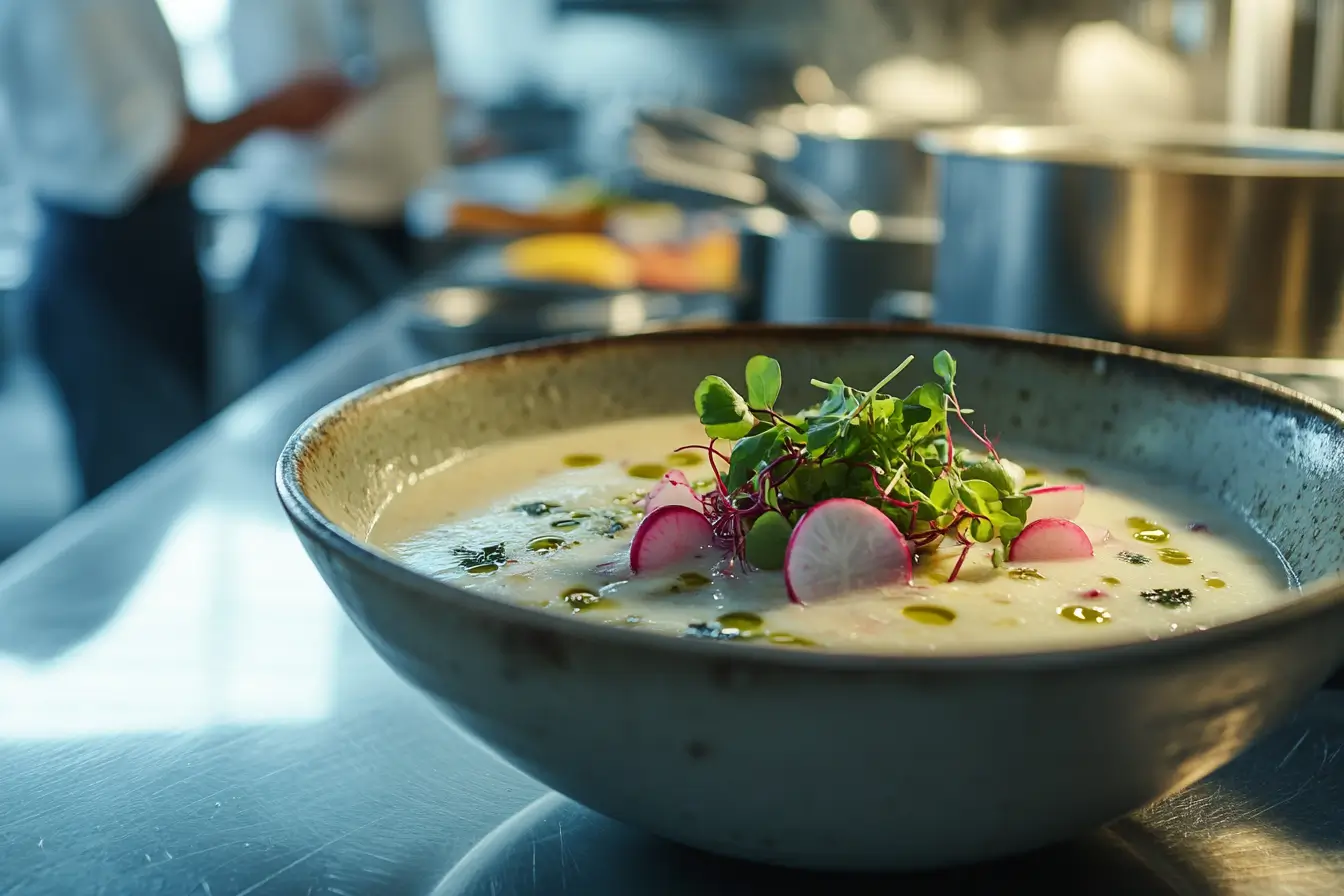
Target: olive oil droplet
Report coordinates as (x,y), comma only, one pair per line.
(1174,557)
(1025,574)
(1214,582)
(566,524)
(582,598)
(786,638)
(1110,580)
(647,471)
(684,459)
(483,569)
(929,614)
(745,622)
(545,544)
(581,460)
(1075,613)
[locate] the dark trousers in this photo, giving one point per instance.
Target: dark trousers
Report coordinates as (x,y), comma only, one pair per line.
(312,276)
(120,315)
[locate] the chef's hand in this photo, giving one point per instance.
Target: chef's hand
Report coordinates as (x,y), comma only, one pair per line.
(307,103)
(302,106)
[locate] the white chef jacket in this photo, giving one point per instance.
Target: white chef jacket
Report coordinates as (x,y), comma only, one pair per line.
(365,164)
(92,99)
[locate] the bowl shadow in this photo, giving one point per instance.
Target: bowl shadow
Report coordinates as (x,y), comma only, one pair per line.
(556,846)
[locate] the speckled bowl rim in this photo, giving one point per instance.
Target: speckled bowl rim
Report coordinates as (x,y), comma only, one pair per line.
(1316,598)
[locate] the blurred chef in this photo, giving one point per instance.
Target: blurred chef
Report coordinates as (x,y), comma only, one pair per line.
(93,96)
(333,240)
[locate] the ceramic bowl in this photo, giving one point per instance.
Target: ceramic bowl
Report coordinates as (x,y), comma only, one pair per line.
(820,759)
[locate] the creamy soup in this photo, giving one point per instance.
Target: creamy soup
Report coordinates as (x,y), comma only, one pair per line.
(547,523)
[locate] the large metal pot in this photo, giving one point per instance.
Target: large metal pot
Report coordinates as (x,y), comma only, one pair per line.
(1202,240)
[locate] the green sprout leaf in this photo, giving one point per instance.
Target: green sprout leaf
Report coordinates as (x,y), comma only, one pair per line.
(946,367)
(723,412)
(752,453)
(763,382)
(823,431)
(992,472)
(767,540)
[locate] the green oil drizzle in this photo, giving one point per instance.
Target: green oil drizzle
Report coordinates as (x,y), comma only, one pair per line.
(483,569)
(741,622)
(684,459)
(1110,580)
(582,598)
(545,544)
(1092,615)
(567,524)
(1025,574)
(793,640)
(1214,582)
(928,614)
(647,471)
(1174,557)
(581,460)
(689,581)
(1147,531)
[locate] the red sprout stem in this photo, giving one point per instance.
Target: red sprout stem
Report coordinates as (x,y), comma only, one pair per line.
(956,570)
(983,440)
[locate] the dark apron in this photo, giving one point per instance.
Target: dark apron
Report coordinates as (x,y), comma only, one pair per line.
(311,277)
(120,315)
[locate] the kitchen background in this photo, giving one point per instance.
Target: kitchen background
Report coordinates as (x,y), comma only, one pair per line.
(548,97)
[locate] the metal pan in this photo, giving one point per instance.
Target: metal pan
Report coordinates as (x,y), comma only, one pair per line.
(1201,240)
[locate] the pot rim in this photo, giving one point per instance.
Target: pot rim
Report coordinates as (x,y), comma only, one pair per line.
(1316,600)
(1212,149)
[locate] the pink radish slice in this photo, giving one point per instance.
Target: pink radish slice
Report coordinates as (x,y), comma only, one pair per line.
(669,535)
(1050,539)
(670,478)
(673,493)
(1058,502)
(844,545)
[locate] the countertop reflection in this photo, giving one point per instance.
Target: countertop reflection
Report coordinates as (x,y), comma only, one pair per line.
(184,709)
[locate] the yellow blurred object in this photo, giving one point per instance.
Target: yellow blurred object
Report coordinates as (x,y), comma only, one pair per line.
(583,258)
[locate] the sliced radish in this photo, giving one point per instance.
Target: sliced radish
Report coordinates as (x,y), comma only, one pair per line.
(1056,502)
(669,535)
(1096,534)
(844,545)
(670,478)
(673,493)
(1050,539)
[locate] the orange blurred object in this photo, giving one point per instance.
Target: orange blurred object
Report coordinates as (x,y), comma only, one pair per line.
(708,264)
(476,218)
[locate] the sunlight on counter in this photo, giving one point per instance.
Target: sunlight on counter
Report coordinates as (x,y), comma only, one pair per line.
(229,624)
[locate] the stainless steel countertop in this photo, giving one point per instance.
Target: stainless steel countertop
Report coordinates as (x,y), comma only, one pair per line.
(185,710)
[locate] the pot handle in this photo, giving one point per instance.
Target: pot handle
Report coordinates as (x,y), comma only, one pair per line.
(678,123)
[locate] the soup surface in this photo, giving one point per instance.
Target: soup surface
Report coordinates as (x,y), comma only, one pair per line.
(547,523)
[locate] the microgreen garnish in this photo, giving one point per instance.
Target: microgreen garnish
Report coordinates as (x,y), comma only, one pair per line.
(897,454)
